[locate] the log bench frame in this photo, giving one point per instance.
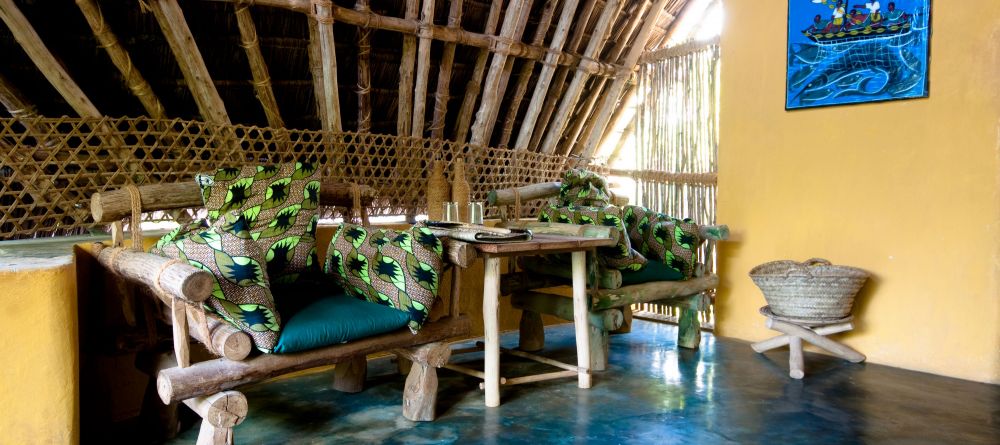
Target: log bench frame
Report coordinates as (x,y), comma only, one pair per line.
(610,311)
(207,387)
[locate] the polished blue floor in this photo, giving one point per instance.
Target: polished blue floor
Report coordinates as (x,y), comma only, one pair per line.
(652,393)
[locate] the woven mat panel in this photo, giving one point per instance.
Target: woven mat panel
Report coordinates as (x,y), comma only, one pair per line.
(49,167)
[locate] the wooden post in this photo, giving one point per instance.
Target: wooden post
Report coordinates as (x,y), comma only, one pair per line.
(328,52)
(491,290)
(474,85)
(258,68)
(581,306)
(492,95)
(364,72)
(572,95)
(120,58)
(615,90)
(531,331)
(175,29)
(423,69)
(349,375)
(404,121)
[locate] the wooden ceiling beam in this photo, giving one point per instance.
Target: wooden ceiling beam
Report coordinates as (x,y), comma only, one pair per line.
(258,68)
(178,35)
(134,80)
(46,62)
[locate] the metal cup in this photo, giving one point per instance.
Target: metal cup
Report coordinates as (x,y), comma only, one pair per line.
(476,212)
(451,211)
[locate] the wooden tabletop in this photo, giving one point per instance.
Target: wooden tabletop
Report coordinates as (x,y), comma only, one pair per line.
(544,244)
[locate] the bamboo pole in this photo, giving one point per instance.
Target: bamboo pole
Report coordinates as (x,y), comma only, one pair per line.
(404,123)
(611,98)
(548,11)
(364,73)
(178,35)
(328,52)
(545,76)
(46,62)
(442,95)
(492,95)
(133,79)
(258,68)
(474,86)
(423,69)
(572,95)
(316,69)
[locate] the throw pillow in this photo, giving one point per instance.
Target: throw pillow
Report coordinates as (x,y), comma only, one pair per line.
(622,255)
(241,294)
(400,269)
(278,208)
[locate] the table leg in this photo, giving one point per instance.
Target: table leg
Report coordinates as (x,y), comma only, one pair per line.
(581,305)
(491,292)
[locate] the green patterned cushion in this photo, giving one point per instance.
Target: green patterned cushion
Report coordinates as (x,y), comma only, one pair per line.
(278,206)
(583,188)
(400,269)
(664,238)
(241,294)
(622,255)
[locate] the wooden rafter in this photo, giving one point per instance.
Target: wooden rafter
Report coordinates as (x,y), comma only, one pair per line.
(135,82)
(328,53)
(572,95)
(423,69)
(548,11)
(175,28)
(474,86)
(406,65)
(614,92)
(32,44)
(258,68)
(517,13)
(364,73)
(442,95)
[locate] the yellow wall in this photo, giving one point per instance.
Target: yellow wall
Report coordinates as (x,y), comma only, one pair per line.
(907,190)
(38,380)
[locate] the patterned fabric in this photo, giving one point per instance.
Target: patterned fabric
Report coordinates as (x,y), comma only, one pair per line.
(583,188)
(278,208)
(622,255)
(241,294)
(400,269)
(664,238)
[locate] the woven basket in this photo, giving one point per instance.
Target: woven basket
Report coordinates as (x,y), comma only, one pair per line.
(813,290)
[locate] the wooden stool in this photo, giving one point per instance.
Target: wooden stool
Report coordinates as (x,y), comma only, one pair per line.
(796,330)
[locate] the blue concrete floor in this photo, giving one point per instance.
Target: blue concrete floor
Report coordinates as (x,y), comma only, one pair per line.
(652,393)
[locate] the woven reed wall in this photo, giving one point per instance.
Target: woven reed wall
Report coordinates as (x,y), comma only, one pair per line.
(51,166)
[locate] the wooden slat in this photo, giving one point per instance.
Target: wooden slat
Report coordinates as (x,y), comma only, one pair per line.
(120,58)
(443,93)
(474,86)
(615,90)
(46,62)
(178,35)
(258,68)
(404,121)
(328,52)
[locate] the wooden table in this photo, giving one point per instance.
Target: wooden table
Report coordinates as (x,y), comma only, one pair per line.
(540,244)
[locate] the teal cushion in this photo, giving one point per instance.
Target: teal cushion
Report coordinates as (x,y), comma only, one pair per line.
(337,319)
(654,271)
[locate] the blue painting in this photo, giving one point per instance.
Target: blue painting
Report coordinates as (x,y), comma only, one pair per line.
(844,52)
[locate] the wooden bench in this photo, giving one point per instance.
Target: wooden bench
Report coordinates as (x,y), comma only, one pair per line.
(611,301)
(207,387)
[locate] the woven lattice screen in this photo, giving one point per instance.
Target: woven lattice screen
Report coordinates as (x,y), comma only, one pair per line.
(51,166)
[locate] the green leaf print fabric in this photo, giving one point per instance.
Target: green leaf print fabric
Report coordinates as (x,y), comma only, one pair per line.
(622,256)
(241,295)
(277,207)
(399,269)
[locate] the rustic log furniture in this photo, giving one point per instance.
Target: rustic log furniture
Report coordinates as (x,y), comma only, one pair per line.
(207,387)
(795,331)
(610,300)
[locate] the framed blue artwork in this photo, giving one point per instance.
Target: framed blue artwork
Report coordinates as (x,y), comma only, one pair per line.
(854,51)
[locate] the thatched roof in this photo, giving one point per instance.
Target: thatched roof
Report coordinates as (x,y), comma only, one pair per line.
(283,34)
